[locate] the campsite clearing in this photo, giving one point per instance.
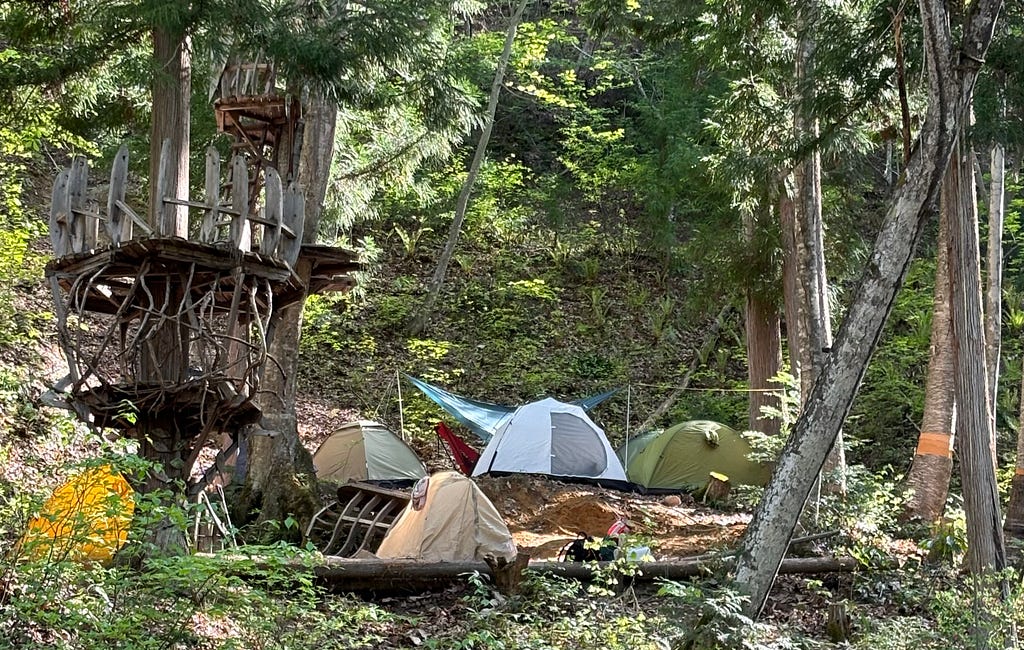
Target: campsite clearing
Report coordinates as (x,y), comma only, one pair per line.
(544,514)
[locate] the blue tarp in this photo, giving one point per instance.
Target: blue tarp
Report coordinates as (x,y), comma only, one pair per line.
(484,418)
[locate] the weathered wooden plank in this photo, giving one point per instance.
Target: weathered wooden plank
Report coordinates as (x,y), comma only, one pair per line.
(77,185)
(135,219)
(273,212)
(208,229)
(293,220)
(165,212)
(60,214)
(118,224)
(240,234)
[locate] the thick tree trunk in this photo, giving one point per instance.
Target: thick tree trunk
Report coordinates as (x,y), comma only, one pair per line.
(764,353)
(764,361)
(981,497)
(422,317)
(279,479)
(928,479)
(172,92)
(985,551)
(951,76)
(165,360)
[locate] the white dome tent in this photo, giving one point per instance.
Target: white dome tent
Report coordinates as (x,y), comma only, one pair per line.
(553,438)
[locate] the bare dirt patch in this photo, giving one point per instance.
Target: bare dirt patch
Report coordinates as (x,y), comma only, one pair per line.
(544,515)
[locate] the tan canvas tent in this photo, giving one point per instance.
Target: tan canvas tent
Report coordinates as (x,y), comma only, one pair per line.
(455,522)
(366,451)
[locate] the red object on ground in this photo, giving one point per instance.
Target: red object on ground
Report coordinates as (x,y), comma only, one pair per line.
(462,454)
(621,525)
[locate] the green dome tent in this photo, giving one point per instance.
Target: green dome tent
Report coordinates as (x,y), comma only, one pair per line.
(683,456)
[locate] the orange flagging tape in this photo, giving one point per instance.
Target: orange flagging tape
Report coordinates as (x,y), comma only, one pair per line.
(935,444)
(1019,471)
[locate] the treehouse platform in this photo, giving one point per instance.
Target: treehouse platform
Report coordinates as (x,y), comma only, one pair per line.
(166,337)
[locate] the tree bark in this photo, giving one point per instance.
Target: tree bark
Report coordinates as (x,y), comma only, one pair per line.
(977,471)
(994,274)
(791,284)
(422,317)
(985,551)
(928,479)
(764,352)
(279,479)
(172,92)
(811,239)
(951,76)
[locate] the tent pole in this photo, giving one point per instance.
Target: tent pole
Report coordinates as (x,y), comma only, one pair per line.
(401,412)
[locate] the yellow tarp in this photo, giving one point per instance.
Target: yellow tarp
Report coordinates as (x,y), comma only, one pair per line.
(86,519)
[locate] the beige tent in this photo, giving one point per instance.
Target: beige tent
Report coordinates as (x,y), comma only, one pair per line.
(456,522)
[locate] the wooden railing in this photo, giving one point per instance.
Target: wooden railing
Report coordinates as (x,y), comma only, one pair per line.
(275,230)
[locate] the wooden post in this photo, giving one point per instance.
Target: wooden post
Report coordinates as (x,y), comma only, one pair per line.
(240,234)
(76,192)
(164,226)
(119,224)
(60,215)
(273,212)
(208,230)
(294,219)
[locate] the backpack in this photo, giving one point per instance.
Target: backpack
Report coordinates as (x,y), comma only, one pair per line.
(577,551)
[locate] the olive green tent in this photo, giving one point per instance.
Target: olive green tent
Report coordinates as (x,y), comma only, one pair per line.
(366,451)
(683,456)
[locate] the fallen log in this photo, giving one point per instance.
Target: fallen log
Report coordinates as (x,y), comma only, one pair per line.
(346,574)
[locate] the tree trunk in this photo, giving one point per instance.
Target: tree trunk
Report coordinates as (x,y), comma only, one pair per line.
(764,352)
(951,77)
(422,317)
(928,479)
(165,361)
(279,478)
(791,284)
(172,92)
(994,275)
(811,240)
(985,551)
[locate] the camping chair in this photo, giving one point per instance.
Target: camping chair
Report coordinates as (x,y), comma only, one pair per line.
(461,453)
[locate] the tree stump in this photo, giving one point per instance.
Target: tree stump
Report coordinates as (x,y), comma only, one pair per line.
(838,626)
(718,488)
(508,575)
